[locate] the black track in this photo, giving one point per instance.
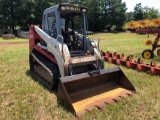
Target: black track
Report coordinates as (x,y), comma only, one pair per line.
(52,68)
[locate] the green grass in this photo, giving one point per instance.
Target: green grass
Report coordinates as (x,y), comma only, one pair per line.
(12,40)
(21,97)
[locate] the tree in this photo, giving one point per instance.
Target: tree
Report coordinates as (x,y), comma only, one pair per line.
(129,16)
(22,13)
(39,6)
(68,1)
(138,12)
(152,13)
(93,14)
(141,13)
(32,11)
(113,13)
(8,10)
(25,12)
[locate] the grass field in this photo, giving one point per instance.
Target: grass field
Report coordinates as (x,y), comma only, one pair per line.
(23,97)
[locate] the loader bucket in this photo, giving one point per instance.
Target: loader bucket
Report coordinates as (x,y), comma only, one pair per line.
(83,92)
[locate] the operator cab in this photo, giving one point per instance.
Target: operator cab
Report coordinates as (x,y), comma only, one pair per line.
(69,21)
(71,25)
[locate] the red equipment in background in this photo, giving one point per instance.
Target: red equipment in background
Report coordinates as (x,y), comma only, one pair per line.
(149,53)
(139,64)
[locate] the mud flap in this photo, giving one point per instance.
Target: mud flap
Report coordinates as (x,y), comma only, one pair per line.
(83,92)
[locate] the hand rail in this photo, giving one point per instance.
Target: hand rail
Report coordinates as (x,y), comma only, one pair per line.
(98,39)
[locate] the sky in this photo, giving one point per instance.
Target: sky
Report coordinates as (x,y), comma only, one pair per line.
(150,3)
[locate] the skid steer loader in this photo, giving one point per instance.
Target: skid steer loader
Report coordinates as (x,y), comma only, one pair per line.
(62,56)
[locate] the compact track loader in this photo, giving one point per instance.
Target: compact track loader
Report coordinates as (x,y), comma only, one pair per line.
(62,56)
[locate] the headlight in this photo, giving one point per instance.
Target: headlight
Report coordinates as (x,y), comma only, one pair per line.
(67,8)
(84,10)
(62,8)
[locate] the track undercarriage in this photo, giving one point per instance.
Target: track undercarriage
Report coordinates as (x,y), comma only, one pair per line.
(45,69)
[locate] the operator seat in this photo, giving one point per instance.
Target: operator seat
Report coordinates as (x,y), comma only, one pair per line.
(66,38)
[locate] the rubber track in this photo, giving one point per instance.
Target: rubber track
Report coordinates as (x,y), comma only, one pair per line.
(51,67)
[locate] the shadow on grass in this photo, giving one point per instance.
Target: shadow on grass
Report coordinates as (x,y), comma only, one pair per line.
(53,91)
(32,75)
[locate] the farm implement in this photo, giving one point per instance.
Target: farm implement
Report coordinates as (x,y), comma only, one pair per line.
(139,64)
(147,27)
(149,53)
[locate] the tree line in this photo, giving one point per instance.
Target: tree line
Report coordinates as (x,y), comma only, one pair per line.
(102,14)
